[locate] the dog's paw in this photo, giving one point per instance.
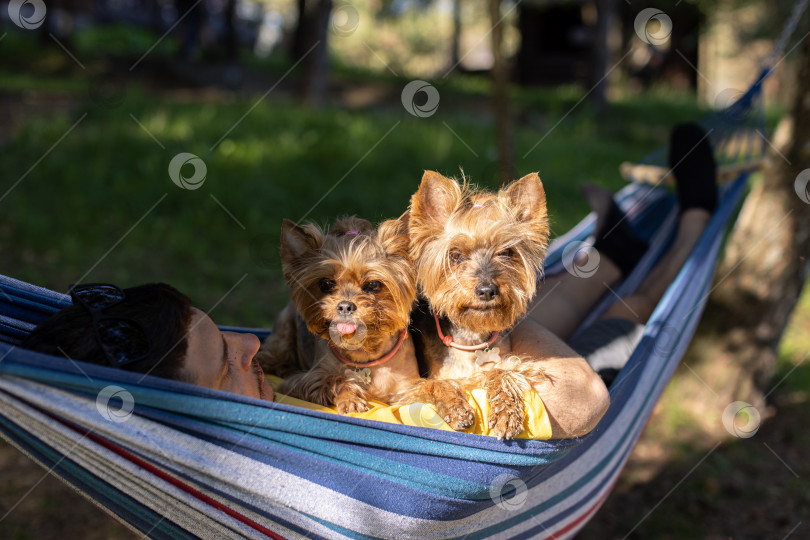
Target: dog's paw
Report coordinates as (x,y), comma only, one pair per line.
(506,409)
(506,423)
(458,414)
(347,404)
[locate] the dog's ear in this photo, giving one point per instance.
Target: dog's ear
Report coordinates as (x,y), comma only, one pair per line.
(405,221)
(351,223)
(435,200)
(398,265)
(393,235)
(528,198)
(297,241)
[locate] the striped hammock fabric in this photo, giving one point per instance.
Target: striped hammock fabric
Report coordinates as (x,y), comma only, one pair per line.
(172,460)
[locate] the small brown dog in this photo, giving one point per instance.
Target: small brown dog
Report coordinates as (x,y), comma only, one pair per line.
(477,257)
(343,339)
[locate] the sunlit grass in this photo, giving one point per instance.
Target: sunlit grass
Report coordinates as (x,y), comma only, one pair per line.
(794,351)
(279,161)
(268,158)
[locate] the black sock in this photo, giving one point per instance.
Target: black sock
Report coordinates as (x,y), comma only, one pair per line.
(692,163)
(614,238)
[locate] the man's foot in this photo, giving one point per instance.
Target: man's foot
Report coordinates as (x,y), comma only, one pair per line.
(615,239)
(692,163)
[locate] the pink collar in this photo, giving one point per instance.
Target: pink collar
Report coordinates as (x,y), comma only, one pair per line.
(381,360)
(448,340)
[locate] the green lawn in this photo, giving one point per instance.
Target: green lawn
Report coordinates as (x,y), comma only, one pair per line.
(88,194)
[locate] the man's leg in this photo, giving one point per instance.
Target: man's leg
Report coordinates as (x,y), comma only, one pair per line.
(639,306)
(608,343)
(565,300)
(692,162)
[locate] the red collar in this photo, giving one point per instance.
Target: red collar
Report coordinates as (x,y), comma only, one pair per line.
(448,340)
(381,360)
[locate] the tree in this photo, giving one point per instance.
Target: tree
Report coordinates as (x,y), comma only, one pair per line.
(500,97)
(310,43)
(455,40)
(229,41)
(605,13)
(765,266)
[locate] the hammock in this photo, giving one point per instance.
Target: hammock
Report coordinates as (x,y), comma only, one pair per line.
(172,460)
(192,461)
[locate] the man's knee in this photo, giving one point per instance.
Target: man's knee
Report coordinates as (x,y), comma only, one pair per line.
(636,308)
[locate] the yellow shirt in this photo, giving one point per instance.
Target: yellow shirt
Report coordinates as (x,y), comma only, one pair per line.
(536,425)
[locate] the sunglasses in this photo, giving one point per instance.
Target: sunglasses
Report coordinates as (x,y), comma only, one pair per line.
(123,340)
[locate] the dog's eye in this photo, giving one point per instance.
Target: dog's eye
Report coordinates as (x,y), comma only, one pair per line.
(326,285)
(506,254)
(372,287)
(455,256)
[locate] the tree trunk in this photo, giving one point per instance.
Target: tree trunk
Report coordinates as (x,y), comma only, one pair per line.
(229,41)
(765,265)
(297,44)
(455,47)
(605,14)
(310,42)
(500,97)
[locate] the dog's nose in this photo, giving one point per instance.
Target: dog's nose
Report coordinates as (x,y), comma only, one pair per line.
(346,308)
(486,291)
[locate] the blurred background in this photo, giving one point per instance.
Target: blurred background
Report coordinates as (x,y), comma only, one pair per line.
(160,140)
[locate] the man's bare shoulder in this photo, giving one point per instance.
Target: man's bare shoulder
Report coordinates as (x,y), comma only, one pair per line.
(574,395)
(531,338)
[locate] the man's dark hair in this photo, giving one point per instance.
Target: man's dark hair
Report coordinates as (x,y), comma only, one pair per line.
(162,311)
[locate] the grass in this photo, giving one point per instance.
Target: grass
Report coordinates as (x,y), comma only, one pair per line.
(796,345)
(88,195)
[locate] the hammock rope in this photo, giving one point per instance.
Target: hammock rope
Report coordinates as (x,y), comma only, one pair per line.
(792,22)
(193,462)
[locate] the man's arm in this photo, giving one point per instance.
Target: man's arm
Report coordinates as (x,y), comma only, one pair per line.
(574,395)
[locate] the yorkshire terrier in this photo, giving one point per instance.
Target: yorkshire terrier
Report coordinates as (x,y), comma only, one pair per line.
(343,339)
(477,256)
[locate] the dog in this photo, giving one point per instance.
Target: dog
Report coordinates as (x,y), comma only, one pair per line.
(343,339)
(477,255)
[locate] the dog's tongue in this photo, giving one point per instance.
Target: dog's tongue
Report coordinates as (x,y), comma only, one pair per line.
(346,327)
